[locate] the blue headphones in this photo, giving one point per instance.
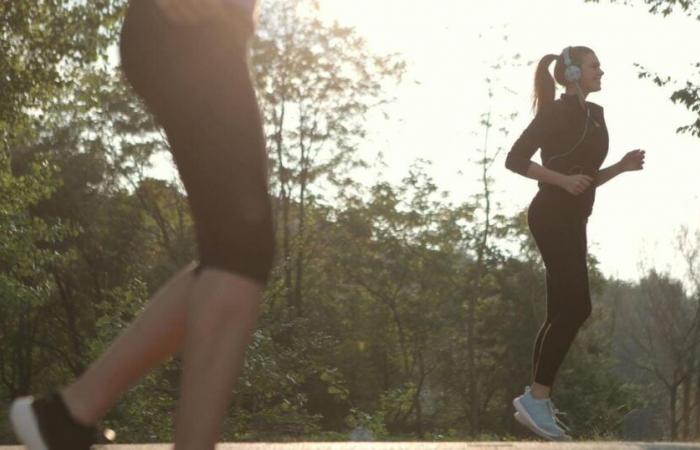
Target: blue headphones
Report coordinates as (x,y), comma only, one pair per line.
(572,72)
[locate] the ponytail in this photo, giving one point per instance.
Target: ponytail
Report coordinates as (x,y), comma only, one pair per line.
(544,83)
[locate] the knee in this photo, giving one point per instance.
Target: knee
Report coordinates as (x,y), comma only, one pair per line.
(259,245)
(222,296)
(247,248)
(582,311)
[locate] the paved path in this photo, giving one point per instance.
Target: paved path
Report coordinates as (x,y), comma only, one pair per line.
(424,446)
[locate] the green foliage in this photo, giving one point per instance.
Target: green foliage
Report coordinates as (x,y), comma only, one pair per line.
(664,7)
(686,93)
(366,327)
(42,44)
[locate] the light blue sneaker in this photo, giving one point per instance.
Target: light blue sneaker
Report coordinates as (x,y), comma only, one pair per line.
(540,416)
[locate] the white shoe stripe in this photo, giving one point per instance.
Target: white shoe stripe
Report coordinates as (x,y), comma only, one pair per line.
(25,425)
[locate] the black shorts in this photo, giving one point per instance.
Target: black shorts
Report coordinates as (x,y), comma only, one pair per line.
(195,80)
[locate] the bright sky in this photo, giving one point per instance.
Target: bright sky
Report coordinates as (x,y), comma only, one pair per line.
(449,46)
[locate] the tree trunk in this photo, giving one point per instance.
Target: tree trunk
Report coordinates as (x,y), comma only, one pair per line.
(71,321)
(299,263)
(697,403)
(471,313)
(284,202)
(471,368)
(686,398)
(419,389)
(673,400)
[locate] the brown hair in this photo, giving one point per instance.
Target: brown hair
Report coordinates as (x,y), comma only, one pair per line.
(543,93)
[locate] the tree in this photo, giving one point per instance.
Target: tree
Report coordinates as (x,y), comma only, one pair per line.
(42,44)
(689,248)
(397,256)
(689,94)
(26,259)
(316,82)
(659,337)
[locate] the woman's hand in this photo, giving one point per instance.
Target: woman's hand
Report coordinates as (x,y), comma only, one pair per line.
(633,160)
(191,12)
(575,184)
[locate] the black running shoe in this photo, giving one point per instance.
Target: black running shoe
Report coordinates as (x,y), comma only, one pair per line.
(46,424)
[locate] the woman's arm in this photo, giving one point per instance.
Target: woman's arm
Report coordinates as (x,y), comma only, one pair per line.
(607,174)
(633,160)
(573,184)
(518,159)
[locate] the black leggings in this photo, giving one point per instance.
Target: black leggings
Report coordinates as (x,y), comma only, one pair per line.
(560,234)
(195,81)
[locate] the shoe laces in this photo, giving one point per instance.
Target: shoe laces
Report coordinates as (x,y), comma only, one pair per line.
(556,415)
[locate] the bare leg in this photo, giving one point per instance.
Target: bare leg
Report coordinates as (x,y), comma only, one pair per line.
(540,391)
(214,313)
(155,334)
(222,313)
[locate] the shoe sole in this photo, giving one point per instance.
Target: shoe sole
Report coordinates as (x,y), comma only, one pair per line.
(521,421)
(25,425)
(524,418)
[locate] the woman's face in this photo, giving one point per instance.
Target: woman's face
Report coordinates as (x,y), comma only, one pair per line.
(590,73)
